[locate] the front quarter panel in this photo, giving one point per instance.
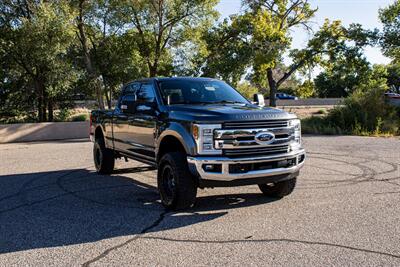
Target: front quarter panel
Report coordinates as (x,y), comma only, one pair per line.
(180,132)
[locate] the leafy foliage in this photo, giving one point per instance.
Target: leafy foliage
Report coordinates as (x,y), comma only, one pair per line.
(390,18)
(53,51)
(365,112)
(35,43)
(247,90)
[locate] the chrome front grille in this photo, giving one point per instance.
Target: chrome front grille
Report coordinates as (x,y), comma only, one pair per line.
(241,140)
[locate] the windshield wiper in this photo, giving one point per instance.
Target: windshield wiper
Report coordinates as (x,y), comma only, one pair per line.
(227,102)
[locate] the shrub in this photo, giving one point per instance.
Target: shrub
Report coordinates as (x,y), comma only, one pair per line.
(365,112)
(321,112)
(80,117)
(62,115)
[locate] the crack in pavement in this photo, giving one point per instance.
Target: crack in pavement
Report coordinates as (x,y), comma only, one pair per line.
(279,240)
(144,230)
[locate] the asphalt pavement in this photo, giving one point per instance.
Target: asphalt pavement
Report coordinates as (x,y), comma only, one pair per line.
(56,211)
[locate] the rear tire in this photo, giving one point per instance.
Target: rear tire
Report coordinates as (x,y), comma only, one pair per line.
(279,189)
(177,186)
(104,159)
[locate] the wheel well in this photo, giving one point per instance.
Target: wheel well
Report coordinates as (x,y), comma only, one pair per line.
(98,133)
(169,144)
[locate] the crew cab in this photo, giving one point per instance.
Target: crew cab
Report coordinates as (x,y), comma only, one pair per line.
(199,132)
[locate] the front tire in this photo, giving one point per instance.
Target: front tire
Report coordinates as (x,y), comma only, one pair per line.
(104,159)
(177,186)
(279,189)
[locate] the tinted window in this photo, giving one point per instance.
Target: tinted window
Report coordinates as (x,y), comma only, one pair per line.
(128,95)
(131,88)
(199,91)
(146,93)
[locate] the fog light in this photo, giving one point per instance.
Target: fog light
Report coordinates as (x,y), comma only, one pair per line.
(207,146)
(212,167)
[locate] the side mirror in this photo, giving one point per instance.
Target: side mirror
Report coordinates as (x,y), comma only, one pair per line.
(259,100)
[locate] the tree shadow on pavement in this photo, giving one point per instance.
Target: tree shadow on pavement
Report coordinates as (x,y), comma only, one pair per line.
(68,207)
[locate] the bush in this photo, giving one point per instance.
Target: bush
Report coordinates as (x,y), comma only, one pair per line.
(321,112)
(319,125)
(365,112)
(62,115)
(80,117)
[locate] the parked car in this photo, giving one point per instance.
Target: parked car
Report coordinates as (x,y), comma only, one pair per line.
(393,98)
(199,132)
(286,96)
(392,95)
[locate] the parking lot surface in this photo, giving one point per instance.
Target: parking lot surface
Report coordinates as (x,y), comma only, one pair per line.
(56,211)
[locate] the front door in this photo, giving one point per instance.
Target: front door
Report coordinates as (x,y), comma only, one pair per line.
(142,124)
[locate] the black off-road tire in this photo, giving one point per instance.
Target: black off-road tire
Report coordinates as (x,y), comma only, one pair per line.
(176,185)
(280,189)
(104,159)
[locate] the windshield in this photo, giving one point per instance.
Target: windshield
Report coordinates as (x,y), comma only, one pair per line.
(199,92)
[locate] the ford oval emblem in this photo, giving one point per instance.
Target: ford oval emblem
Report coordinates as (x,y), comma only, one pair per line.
(265,138)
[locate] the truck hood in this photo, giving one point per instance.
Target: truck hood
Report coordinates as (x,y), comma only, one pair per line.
(225,112)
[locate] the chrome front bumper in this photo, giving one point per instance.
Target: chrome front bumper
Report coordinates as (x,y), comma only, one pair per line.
(196,166)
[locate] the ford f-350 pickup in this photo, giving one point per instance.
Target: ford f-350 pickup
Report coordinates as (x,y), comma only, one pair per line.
(199,132)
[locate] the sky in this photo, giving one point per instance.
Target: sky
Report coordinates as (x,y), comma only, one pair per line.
(364,12)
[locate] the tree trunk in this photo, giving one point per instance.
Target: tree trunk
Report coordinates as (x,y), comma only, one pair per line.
(273,88)
(108,97)
(39,88)
(153,69)
(50,109)
(40,109)
(97,83)
(44,107)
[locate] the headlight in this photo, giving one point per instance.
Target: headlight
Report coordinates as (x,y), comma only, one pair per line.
(296,124)
(203,134)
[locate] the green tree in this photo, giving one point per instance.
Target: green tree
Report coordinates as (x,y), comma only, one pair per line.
(390,41)
(92,17)
(305,90)
(247,89)
(393,77)
(35,38)
(118,61)
(271,22)
(342,74)
(227,53)
(159,25)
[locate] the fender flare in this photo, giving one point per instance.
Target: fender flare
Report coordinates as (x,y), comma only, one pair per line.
(179,132)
